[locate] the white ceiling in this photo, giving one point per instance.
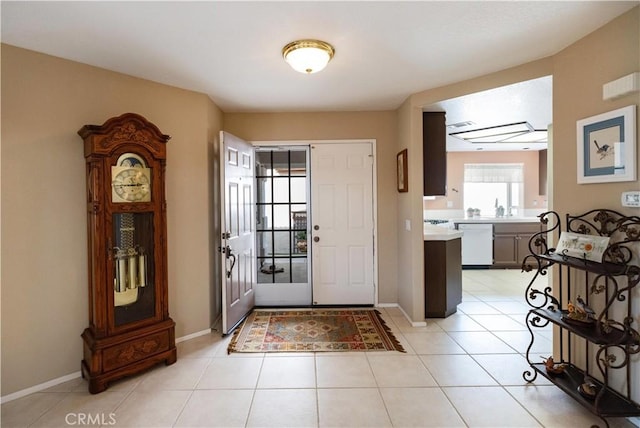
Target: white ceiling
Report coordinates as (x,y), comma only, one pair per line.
(385,51)
(528,101)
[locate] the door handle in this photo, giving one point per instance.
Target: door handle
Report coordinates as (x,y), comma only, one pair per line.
(316,238)
(229,255)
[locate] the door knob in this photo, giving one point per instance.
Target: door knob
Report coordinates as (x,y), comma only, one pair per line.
(316,227)
(316,238)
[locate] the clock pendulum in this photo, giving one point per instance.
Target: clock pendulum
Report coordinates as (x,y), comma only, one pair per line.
(130,263)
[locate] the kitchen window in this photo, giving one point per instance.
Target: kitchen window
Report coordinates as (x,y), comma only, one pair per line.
(494,190)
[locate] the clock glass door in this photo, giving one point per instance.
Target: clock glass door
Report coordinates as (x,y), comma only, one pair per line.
(133,267)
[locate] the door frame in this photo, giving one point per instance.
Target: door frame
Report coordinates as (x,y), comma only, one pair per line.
(371,141)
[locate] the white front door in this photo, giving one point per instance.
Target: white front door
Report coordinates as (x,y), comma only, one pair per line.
(238,230)
(342,224)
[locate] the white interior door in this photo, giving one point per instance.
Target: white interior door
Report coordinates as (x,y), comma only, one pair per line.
(342,224)
(238,230)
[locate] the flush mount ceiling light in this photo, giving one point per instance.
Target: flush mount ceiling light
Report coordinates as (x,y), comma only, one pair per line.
(308,56)
(520,132)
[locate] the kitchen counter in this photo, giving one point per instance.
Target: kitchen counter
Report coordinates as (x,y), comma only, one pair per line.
(436,233)
(477,220)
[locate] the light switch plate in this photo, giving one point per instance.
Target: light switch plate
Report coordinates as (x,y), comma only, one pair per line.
(630,199)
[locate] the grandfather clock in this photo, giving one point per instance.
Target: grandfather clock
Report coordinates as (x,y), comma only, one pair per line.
(129,325)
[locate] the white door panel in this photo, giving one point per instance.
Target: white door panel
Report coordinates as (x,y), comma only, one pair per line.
(326,266)
(323,206)
(356,264)
(342,218)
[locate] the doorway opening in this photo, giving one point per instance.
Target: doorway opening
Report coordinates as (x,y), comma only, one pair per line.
(282,204)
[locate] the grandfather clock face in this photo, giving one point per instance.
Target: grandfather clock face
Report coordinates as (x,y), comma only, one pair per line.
(130,179)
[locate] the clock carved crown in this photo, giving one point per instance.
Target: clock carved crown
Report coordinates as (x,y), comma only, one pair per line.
(127,128)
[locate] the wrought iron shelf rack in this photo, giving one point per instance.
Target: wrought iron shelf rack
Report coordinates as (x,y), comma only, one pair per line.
(589,350)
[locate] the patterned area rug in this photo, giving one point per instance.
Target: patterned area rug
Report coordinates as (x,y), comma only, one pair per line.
(318,330)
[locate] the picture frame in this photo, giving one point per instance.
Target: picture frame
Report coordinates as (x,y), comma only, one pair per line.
(607,147)
(402,171)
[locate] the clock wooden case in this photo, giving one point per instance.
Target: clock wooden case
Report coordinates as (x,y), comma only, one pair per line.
(129,325)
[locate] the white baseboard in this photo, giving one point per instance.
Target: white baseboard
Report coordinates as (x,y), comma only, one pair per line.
(74,375)
(395,305)
(193,335)
(387,305)
(40,387)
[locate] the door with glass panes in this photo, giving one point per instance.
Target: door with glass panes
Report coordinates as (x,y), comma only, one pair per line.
(282,195)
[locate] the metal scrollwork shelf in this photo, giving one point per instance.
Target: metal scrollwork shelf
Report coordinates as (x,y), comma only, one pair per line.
(589,349)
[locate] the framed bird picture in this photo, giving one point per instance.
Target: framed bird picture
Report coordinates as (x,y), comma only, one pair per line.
(607,147)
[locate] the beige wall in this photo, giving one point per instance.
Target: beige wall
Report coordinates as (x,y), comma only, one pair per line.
(455,177)
(410,243)
(380,126)
(577,93)
(45,101)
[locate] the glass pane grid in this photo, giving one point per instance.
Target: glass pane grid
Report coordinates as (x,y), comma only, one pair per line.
(282,225)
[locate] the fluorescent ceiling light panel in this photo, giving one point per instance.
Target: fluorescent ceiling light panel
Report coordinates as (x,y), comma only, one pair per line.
(537,136)
(493,131)
(520,132)
(495,138)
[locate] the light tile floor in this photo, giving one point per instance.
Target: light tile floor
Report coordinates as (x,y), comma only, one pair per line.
(462,371)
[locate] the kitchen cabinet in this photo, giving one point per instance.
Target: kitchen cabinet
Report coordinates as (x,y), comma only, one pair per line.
(442,277)
(434,153)
(542,172)
(511,243)
(604,329)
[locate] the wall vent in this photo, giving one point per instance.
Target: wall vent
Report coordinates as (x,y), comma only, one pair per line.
(621,87)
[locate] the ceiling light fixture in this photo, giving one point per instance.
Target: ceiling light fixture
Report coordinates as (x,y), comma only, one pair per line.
(308,56)
(520,132)
(535,136)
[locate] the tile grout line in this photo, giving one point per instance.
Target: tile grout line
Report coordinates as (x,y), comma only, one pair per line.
(184,405)
(253,394)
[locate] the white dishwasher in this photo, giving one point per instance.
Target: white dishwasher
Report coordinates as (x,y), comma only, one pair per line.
(477,244)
